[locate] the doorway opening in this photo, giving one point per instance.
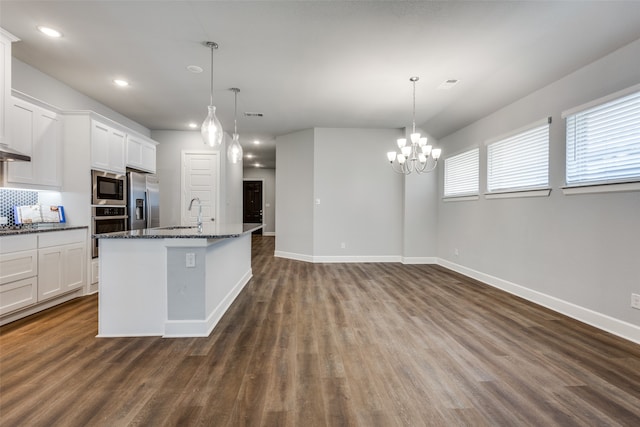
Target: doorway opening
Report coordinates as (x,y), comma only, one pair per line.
(252,203)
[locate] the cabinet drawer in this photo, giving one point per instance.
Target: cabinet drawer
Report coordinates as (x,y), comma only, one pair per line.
(18,294)
(57,238)
(18,265)
(18,243)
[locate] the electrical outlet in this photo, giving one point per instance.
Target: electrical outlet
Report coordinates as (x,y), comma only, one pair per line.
(456,252)
(635,301)
(343,245)
(190,260)
(4,220)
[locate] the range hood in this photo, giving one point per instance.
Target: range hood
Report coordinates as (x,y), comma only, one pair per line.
(8,154)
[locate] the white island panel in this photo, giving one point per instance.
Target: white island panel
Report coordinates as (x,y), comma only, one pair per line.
(133,294)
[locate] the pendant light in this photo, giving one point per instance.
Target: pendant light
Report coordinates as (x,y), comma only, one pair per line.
(211,128)
(234,152)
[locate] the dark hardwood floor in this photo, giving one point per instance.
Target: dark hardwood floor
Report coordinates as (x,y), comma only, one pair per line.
(327,345)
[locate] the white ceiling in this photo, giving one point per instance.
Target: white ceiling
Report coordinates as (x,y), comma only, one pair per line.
(315,63)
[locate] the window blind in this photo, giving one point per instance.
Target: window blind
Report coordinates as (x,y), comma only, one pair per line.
(520,161)
(461,174)
(603,143)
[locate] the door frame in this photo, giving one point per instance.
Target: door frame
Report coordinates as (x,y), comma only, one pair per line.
(183,202)
(263,198)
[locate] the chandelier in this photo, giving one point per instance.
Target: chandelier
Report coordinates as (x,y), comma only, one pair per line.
(234,152)
(211,128)
(417,156)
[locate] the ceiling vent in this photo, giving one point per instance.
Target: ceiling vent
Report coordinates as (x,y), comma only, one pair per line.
(251,114)
(448,84)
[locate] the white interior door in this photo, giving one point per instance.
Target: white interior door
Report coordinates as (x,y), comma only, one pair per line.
(200,178)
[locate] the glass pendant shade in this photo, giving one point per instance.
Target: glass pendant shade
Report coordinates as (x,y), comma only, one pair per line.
(436,153)
(391,155)
(234,152)
(212,129)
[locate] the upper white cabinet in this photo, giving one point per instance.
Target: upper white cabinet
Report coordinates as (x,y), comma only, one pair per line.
(107,148)
(35,131)
(5,83)
(141,153)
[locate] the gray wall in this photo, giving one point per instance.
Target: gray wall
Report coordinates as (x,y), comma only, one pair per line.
(294,184)
(268,177)
(31,81)
(169,155)
(360,196)
(420,212)
(580,249)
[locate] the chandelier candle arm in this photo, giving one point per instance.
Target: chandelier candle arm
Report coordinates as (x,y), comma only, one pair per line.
(417,156)
(211,128)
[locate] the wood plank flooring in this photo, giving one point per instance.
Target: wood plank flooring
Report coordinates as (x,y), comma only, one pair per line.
(327,345)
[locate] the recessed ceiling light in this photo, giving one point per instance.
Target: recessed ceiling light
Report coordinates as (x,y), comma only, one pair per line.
(257,165)
(193,125)
(194,69)
(249,156)
(121,83)
(256,142)
(448,84)
(49,32)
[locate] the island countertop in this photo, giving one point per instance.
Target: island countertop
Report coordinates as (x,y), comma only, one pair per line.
(209,231)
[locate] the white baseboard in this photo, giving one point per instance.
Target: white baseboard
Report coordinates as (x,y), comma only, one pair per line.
(606,323)
(293,256)
(203,328)
(33,309)
(356,258)
(268,233)
(419,260)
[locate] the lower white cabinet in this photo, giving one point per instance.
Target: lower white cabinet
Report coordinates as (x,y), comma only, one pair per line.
(61,269)
(37,267)
(18,272)
(61,263)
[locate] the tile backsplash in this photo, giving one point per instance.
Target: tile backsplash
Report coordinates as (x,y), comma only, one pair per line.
(10,198)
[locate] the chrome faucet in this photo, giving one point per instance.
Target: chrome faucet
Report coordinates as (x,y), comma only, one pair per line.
(199,212)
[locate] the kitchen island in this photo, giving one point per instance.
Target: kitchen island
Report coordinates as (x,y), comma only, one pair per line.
(171,281)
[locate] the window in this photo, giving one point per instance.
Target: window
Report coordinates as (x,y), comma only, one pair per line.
(520,161)
(461,174)
(603,142)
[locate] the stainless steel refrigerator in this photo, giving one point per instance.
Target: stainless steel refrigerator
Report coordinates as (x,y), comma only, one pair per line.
(144,201)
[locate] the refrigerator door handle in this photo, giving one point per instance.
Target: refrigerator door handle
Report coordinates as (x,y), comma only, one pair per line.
(147,207)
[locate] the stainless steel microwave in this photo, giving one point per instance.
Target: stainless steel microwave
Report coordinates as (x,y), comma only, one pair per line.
(108,188)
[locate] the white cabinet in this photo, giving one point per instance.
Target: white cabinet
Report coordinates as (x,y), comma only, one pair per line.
(5,84)
(141,153)
(18,272)
(107,148)
(61,262)
(35,131)
(36,268)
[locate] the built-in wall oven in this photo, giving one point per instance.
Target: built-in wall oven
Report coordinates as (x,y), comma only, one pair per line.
(108,188)
(107,219)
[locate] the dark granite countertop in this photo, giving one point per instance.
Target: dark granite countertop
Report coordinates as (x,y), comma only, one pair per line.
(210,231)
(40,228)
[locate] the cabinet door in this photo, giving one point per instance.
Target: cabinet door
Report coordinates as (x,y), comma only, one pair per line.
(37,132)
(116,151)
(99,146)
(74,266)
(50,272)
(22,116)
(149,157)
(134,152)
(48,149)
